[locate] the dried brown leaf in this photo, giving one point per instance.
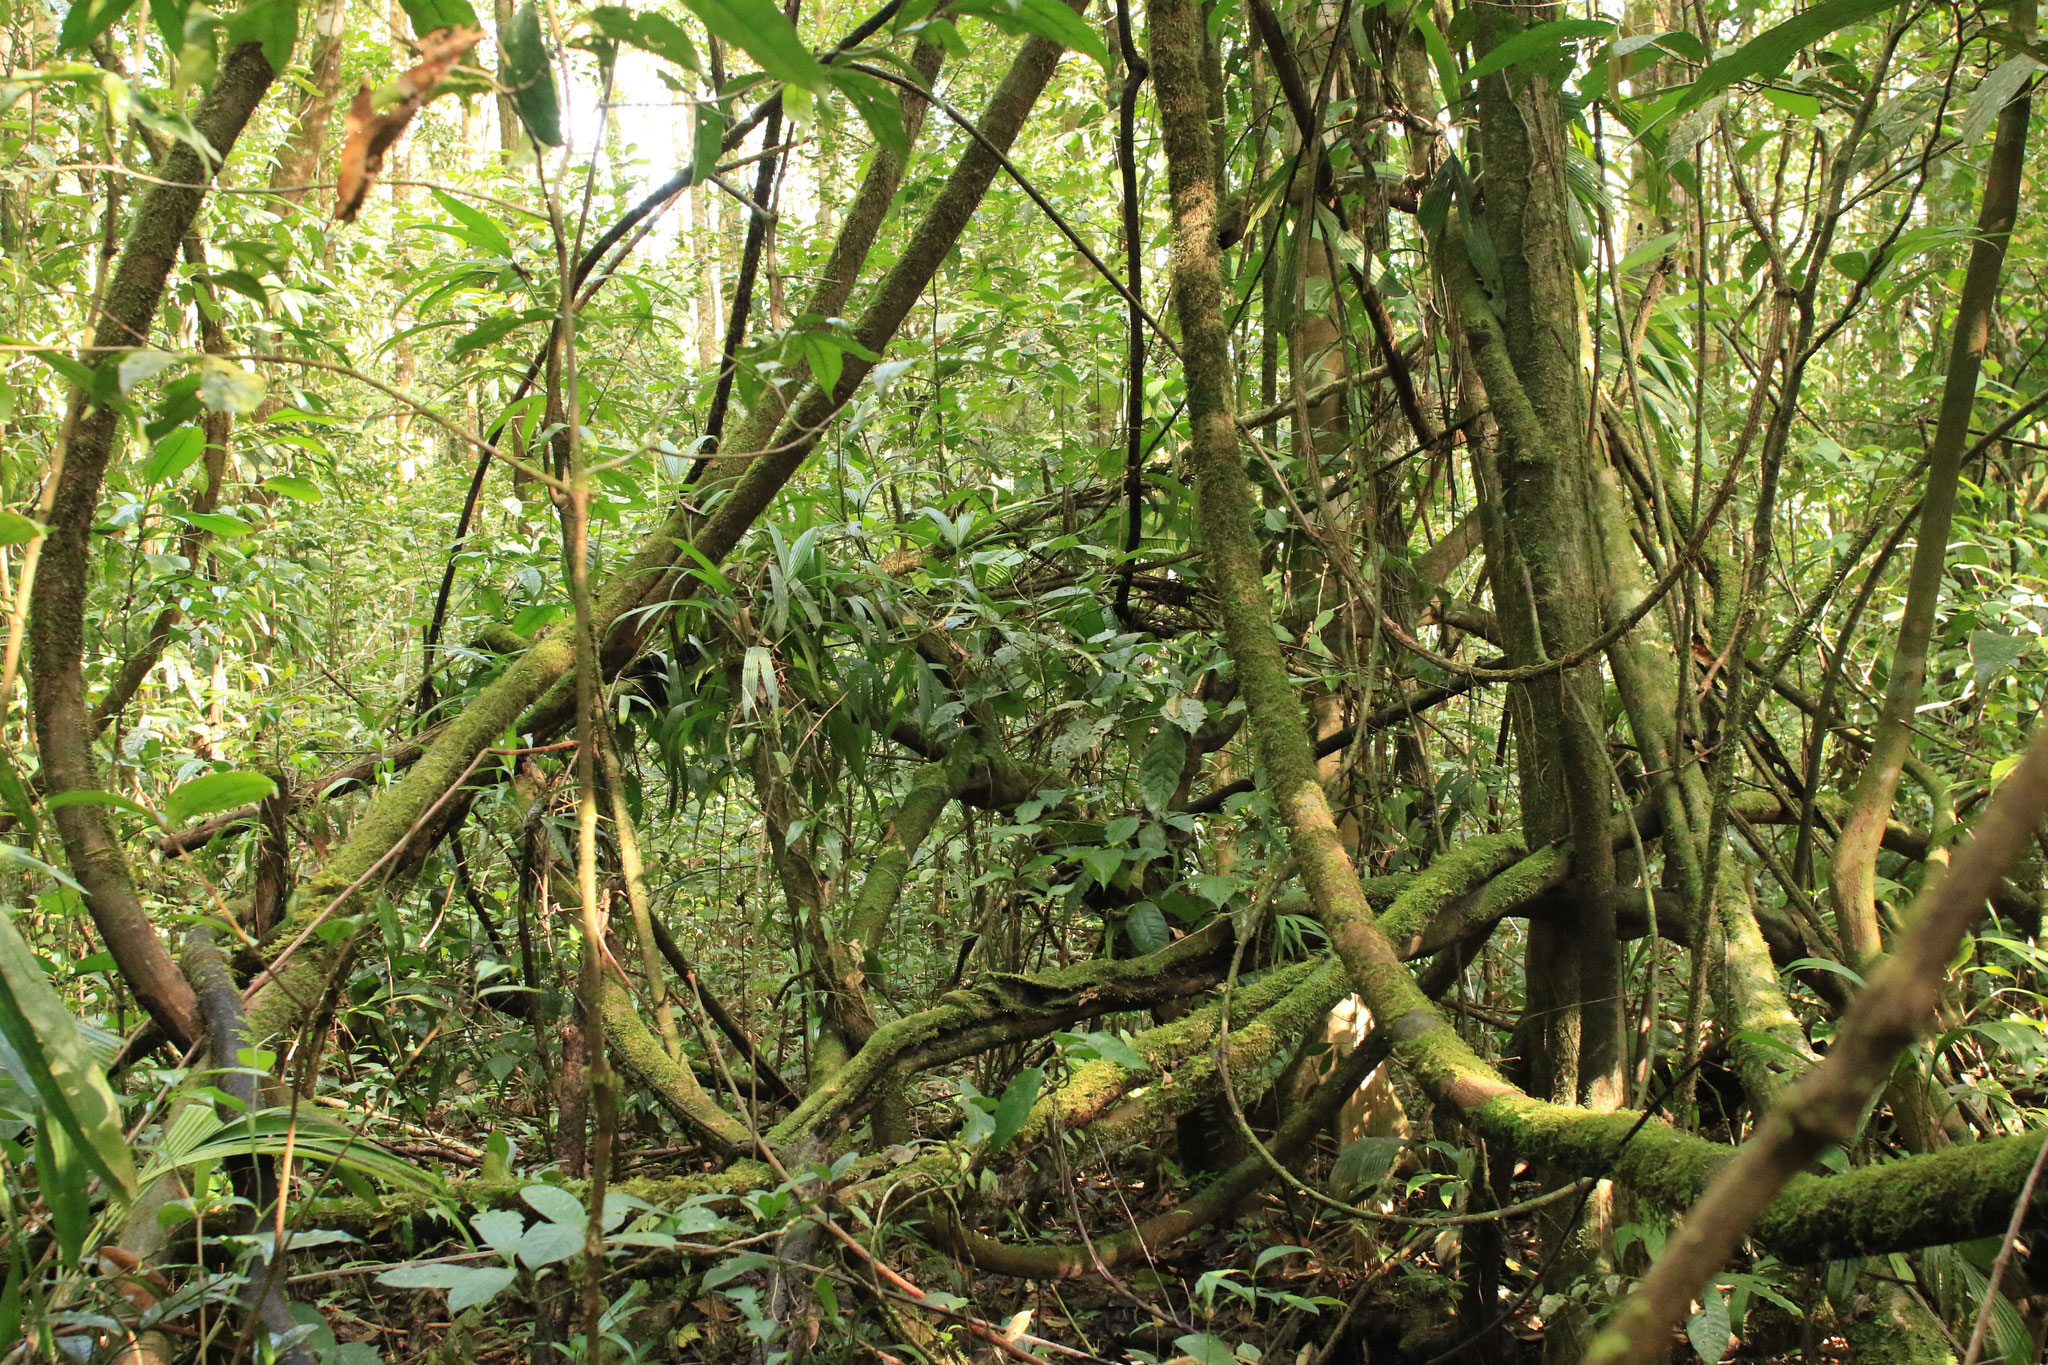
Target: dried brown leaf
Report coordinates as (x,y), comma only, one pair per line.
(377,119)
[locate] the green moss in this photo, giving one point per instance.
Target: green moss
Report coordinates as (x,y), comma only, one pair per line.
(1454,874)
(1896,1330)
(643,1059)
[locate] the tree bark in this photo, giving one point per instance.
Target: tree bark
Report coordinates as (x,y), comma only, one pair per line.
(1853,889)
(64,575)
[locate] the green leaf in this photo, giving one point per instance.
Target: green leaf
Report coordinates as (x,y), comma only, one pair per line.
(293,487)
(500,1230)
(64,1178)
(1111,1048)
(87,20)
(531,76)
(224,524)
(710,135)
(878,106)
(477,228)
(478,1284)
(1015,1106)
(1047,19)
(1707,1329)
(1159,771)
(1993,93)
(1765,55)
(1364,1164)
(227,387)
(648,31)
(139,366)
(428,15)
(1274,1253)
(761,30)
(71,1090)
(1206,1348)
(555,1204)
(1146,927)
(273,23)
(1542,40)
(22,858)
(211,792)
(1186,712)
(1102,863)
(16,529)
(173,455)
(546,1244)
(1993,652)
(732,1267)
(491,331)
(200,1135)
(14,795)
(86,796)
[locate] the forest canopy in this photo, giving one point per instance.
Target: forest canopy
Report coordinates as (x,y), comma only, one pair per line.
(1034,680)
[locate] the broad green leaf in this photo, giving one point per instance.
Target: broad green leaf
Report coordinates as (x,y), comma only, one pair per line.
(1993,93)
(1040,19)
(419,1276)
(87,20)
(273,23)
(70,1088)
(173,455)
(555,1204)
(1993,652)
(1102,863)
(227,387)
(1542,40)
(493,330)
(1146,928)
(531,76)
(761,30)
(1364,1164)
(732,1267)
(14,795)
(428,15)
(1015,1106)
(546,1244)
(1111,1048)
(1767,54)
(63,1180)
(478,228)
(22,858)
(1186,712)
(211,792)
(1707,1329)
(16,529)
(293,487)
(201,1135)
(223,524)
(1274,1253)
(87,796)
(478,1284)
(139,366)
(1206,1348)
(648,31)
(878,106)
(1160,769)
(710,136)
(500,1230)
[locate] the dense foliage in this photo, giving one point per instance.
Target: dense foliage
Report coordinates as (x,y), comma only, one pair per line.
(1001,679)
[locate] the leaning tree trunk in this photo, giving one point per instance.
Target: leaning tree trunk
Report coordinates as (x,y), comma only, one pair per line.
(64,573)
(1853,888)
